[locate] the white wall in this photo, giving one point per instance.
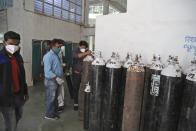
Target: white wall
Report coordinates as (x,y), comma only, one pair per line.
(35,26)
(153,26)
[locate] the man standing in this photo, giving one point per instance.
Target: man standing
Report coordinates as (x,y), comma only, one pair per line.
(53,78)
(13,87)
(78,56)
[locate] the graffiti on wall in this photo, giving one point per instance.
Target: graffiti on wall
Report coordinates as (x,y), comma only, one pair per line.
(190,44)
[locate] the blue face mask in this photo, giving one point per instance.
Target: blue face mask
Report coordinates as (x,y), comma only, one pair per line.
(46,48)
(57,50)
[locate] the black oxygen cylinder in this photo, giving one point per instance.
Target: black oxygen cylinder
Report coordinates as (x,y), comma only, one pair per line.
(147,79)
(152,84)
(111,100)
(69,85)
(187,120)
(97,80)
(150,115)
(169,100)
(86,107)
(84,80)
(121,97)
(187,71)
(111,96)
(96,97)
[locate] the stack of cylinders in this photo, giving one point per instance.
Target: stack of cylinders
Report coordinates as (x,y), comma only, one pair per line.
(86,109)
(85,79)
(188,110)
(96,96)
(169,100)
(111,99)
(133,98)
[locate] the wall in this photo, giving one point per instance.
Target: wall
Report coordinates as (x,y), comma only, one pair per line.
(34,26)
(149,27)
(3,24)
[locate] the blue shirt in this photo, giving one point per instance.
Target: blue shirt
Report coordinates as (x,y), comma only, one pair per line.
(52,65)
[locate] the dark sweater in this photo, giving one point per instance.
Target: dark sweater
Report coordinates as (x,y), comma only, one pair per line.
(7,95)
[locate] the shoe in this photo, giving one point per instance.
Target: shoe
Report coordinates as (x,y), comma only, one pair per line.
(57,115)
(60,109)
(75,108)
(52,118)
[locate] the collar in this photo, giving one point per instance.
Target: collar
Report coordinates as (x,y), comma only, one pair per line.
(51,51)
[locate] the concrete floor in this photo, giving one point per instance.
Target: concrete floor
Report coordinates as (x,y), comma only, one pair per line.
(34,111)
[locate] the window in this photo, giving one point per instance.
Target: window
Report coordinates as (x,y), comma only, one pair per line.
(3,25)
(97,10)
(70,10)
(94,11)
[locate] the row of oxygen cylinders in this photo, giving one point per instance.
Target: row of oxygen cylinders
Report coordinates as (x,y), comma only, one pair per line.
(132,96)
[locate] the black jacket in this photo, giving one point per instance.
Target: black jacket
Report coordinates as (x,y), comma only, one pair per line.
(7,95)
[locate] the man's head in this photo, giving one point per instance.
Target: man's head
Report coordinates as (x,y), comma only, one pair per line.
(47,44)
(83,45)
(56,45)
(11,41)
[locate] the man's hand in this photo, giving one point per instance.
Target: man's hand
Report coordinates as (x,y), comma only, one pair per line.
(64,64)
(59,81)
(80,55)
(88,52)
(26,98)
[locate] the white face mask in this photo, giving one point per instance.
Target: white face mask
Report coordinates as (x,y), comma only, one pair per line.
(12,48)
(82,50)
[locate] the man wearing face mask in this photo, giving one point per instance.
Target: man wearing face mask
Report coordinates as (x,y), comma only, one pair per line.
(13,87)
(53,72)
(46,46)
(78,56)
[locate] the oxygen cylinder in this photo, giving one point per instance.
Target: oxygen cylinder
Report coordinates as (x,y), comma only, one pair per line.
(188,110)
(178,67)
(85,79)
(150,115)
(140,60)
(169,100)
(133,97)
(128,62)
(188,70)
(111,95)
(86,106)
(69,84)
(96,96)
(147,79)
(145,93)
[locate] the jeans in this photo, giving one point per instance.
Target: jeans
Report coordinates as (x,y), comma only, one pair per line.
(11,116)
(51,97)
(76,79)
